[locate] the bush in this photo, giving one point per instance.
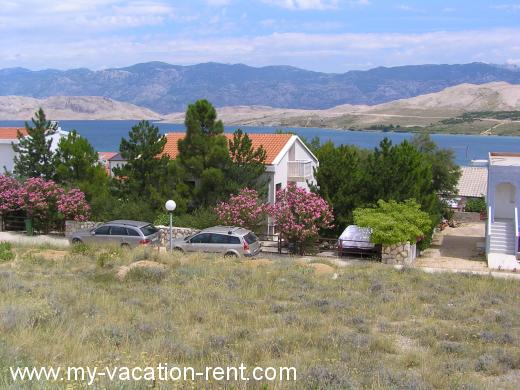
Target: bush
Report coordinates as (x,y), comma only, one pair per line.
(201,218)
(6,254)
(476,205)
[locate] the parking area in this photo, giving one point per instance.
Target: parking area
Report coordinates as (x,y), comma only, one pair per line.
(460,248)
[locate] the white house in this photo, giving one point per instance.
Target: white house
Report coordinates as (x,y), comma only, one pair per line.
(8,137)
(503,199)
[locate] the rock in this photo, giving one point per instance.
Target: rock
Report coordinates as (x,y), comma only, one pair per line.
(122,272)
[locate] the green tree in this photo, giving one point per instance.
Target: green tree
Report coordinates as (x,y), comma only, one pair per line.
(145,165)
(75,159)
(445,172)
(400,172)
(203,154)
(247,165)
(393,222)
(33,152)
(341,179)
(77,165)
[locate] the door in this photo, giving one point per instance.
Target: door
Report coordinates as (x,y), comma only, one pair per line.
(118,235)
(505,195)
(101,235)
(199,243)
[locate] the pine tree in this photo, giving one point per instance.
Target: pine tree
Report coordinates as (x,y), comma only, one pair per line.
(145,164)
(247,165)
(203,153)
(34,157)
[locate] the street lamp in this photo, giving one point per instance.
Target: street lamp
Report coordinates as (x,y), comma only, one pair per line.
(170,206)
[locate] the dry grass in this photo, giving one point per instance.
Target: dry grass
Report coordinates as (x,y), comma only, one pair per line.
(371,327)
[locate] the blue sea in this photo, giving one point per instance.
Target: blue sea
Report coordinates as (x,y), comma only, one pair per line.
(105,136)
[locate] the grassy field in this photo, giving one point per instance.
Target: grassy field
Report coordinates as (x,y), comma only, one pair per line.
(369,326)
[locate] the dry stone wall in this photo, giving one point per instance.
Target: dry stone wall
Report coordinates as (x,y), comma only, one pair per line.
(402,254)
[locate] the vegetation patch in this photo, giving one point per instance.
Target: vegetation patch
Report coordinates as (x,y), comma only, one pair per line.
(371,327)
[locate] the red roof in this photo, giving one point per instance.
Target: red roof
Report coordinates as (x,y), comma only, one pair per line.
(106,155)
(272,143)
(11,132)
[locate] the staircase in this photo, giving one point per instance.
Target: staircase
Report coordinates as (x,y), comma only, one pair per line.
(502,245)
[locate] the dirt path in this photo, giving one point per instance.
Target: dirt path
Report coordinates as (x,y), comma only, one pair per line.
(456,248)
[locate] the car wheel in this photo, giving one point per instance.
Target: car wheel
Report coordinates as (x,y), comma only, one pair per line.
(124,245)
(178,251)
(76,241)
(231,255)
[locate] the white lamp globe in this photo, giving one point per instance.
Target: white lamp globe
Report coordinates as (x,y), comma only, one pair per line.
(170,205)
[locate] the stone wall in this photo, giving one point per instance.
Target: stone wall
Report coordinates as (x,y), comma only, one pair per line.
(72,227)
(403,254)
(177,233)
(466,216)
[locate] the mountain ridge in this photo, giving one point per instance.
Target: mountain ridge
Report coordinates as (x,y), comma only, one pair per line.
(165,88)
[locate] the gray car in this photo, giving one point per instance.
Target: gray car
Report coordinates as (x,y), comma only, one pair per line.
(125,233)
(228,240)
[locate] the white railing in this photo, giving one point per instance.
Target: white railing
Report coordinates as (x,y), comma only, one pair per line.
(516,230)
(489,222)
(299,170)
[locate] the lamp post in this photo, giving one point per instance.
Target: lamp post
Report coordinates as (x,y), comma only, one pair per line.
(170,207)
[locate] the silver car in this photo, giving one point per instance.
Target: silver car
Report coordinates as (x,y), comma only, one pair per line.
(125,233)
(230,241)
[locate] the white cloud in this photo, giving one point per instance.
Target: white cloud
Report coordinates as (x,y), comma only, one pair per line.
(304,4)
(324,52)
(507,7)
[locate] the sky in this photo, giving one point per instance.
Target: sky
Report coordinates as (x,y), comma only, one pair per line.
(321,35)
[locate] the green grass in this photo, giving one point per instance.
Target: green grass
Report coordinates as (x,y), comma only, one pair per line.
(372,327)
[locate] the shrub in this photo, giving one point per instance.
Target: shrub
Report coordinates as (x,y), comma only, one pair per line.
(245,209)
(200,218)
(6,254)
(393,223)
(476,205)
(299,216)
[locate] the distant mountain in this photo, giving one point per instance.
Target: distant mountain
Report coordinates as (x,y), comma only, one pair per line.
(71,107)
(166,88)
(494,108)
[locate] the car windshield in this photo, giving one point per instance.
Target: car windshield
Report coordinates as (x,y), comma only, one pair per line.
(250,238)
(148,230)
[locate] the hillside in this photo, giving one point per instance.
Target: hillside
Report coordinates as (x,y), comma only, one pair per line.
(166,88)
(71,107)
(491,108)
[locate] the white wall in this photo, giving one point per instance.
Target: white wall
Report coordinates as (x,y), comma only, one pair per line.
(6,157)
(7,153)
(503,174)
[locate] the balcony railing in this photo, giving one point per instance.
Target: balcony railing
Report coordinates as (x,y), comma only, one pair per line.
(299,170)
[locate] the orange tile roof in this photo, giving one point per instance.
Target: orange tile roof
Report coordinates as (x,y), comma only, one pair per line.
(11,132)
(106,155)
(272,143)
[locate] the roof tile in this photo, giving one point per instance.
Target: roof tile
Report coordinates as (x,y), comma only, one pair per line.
(272,143)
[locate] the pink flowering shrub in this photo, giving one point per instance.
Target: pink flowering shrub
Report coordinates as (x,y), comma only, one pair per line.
(10,198)
(47,203)
(73,205)
(299,216)
(245,209)
(39,197)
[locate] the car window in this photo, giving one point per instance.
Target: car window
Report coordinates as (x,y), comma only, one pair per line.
(117,231)
(233,240)
(202,238)
(149,230)
(250,238)
(219,239)
(102,230)
(132,232)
